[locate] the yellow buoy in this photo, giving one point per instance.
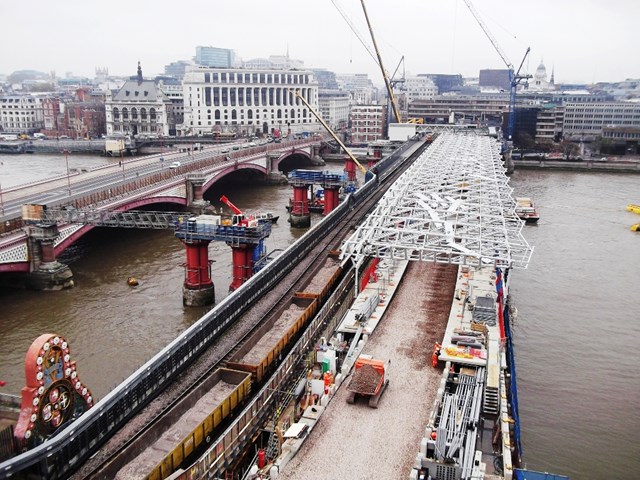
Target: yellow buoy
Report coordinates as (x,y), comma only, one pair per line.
(132,281)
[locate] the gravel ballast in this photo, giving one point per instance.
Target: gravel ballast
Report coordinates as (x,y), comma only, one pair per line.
(356,441)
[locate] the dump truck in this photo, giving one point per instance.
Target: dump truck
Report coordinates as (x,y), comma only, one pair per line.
(370,378)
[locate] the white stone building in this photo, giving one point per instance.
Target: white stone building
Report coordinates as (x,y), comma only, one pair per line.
(248,101)
(334,108)
(21,113)
(419,87)
(139,108)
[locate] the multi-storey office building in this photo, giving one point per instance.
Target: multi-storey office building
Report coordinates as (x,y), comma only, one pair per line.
(368,123)
(215,57)
(585,121)
(477,107)
(247,101)
(21,113)
(334,108)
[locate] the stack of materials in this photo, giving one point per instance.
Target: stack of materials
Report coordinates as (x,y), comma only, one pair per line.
(484,311)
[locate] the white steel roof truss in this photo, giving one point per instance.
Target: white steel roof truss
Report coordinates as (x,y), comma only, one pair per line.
(453,205)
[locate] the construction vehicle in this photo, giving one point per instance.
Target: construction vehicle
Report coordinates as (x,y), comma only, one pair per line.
(238,217)
(370,378)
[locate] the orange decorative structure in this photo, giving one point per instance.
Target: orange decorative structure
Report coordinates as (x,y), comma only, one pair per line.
(53,395)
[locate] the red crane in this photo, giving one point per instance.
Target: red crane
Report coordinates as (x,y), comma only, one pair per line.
(238,216)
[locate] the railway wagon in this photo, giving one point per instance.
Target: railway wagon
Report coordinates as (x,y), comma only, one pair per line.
(187,426)
(323,278)
(267,342)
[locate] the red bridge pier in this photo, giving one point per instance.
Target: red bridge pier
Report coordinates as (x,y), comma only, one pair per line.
(299,215)
(331,198)
(242,264)
(350,169)
(198,288)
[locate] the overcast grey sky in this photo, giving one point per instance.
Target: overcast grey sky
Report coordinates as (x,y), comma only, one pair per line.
(585,40)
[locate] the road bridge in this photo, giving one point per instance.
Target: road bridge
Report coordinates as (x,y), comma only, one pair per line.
(178,179)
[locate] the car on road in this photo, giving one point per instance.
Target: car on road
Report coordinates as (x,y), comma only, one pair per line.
(174,165)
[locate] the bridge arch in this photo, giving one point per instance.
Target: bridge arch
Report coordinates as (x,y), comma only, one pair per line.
(237,166)
(292,159)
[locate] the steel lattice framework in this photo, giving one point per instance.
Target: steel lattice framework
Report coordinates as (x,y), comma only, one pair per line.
(453,205)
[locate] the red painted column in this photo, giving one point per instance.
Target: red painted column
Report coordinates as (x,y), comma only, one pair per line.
(242,259)
(331,199)
(205,271)
(197,274)
(300,200)
(350,169)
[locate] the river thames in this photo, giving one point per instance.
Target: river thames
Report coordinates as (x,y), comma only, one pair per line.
(575,332)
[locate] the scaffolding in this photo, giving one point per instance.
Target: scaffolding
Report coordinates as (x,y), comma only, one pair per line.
(453,205)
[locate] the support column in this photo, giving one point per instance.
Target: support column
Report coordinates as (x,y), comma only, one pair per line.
(242,261)
(197,204)
(46,272)
(198,289)
(299,215)
(350,169)
(331,199)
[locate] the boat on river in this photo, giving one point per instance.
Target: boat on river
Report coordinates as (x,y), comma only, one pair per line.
(526,210)
(633,208)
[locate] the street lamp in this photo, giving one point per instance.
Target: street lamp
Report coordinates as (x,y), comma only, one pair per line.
(66,159)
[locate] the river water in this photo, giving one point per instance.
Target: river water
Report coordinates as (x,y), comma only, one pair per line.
(575,332)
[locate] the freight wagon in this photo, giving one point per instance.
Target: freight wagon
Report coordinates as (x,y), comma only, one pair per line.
(265,345)
(323,278)
(186,427)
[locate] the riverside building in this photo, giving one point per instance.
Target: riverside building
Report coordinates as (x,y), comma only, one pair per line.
(21,113)
(138,108)
(247,101)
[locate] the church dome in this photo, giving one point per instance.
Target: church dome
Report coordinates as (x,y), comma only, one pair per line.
(541,72)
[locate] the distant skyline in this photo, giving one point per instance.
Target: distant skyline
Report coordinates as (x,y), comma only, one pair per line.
(585,41)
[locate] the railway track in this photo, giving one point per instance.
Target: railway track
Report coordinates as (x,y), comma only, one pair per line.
(117,451)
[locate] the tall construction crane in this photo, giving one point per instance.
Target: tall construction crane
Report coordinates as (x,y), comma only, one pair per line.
(394,103)
(514,78)
(328,129)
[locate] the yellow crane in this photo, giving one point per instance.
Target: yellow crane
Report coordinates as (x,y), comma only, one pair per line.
(394,103)
(328,129)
